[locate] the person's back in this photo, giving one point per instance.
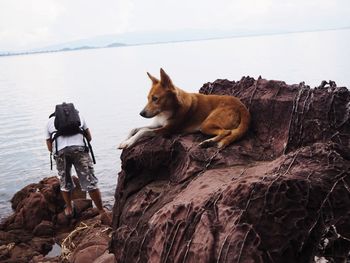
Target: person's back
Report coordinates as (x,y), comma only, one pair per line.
(65,140)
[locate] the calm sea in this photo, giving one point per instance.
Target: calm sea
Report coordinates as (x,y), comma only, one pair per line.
(109,87)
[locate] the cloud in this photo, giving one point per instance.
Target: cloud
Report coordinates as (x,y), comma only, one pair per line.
(29,23)
(84,18)
(241,14)
(22,22)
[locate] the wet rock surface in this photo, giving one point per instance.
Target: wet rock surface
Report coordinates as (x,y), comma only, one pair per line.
(281,194)
(38,224)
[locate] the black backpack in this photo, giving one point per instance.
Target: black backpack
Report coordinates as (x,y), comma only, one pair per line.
(67,123)
(67,120)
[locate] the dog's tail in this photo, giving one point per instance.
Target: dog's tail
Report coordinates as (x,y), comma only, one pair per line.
(240,131)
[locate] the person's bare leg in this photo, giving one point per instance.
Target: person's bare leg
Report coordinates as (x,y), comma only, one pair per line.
(68,200)
(96,198)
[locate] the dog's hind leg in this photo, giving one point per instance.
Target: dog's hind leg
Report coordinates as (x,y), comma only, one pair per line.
(234,135)
(219,123)
(238,131)
(210,128)
(214,141)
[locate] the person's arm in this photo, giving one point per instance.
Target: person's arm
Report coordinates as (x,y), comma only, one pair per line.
(88,134)
(85,128)
(49,144)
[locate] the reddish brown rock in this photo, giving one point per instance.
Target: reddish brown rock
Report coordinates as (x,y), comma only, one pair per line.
(42,259)
(281,194)
(39,221)
(105,258)
(89,254)
(44,229)
(87,243)
(81,205)
(20,195)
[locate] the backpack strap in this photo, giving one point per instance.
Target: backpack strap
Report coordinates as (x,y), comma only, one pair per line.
(56,134)
(51,138)
(51,160)
(89,145)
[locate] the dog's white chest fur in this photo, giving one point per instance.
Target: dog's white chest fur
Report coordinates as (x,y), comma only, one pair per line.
(161,119)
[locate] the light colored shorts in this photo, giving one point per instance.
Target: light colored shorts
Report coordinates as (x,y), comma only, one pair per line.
(79,158)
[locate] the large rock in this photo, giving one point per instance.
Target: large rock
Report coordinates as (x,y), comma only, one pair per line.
(38,222)
(281,194)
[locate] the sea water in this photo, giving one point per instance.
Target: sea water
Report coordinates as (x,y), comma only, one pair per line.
(109,87)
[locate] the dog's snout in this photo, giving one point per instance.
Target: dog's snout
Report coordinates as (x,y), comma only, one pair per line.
(143,113)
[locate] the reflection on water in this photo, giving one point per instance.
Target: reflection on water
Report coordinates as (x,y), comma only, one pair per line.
(55,251)
(109,87)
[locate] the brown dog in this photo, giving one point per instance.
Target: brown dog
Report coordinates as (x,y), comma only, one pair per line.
(176,111)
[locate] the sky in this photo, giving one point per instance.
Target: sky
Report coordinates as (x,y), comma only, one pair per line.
(27,24)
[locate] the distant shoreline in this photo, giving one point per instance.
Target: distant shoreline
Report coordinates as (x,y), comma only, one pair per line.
(113,45)
(57,50)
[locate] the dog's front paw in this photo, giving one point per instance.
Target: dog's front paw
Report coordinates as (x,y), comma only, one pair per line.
(127,143)
(132,132)
(123,145)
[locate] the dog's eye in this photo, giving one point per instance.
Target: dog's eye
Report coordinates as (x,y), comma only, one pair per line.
(154,98)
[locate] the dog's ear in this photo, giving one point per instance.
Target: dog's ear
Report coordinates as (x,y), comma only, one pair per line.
(165,80)
(154,79)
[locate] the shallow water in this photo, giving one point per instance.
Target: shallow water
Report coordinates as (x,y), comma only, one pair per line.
(109,87)
(55,251)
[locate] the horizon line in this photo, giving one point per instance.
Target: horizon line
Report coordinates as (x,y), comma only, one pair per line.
(87,47)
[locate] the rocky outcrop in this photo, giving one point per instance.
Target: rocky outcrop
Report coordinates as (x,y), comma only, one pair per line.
(38,224)
(281,194)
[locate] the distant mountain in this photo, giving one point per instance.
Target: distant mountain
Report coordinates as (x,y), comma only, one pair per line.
(59,48)
(126,39)
(153,37)
(87,47)
(115,45)
(139,38)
